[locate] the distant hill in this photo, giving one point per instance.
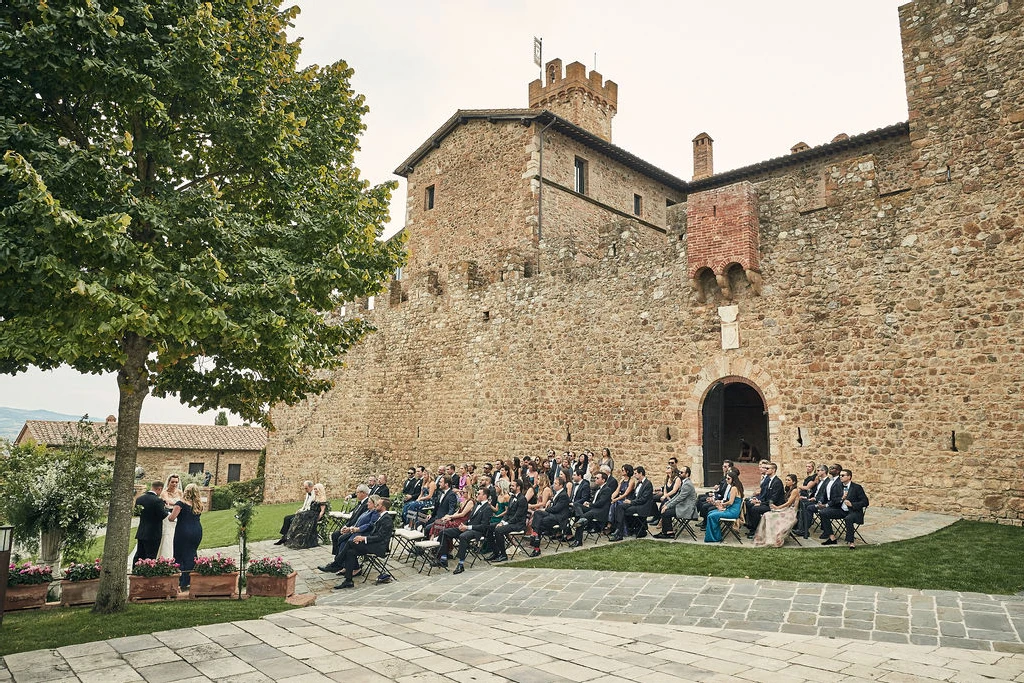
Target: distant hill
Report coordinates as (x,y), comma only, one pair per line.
(13,419)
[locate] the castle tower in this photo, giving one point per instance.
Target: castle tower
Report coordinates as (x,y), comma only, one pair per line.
(703,158)
(577,97)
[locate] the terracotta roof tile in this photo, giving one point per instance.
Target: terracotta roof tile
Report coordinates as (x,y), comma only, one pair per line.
(179,437)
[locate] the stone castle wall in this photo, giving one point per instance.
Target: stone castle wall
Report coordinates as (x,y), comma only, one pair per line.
(887,334)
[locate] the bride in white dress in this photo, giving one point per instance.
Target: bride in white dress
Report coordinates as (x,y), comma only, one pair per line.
(171,495)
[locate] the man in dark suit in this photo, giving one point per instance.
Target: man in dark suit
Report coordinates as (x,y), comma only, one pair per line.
(340,538)
(594,511)
(828,489)
(474,529)
(707,503)
(849,507)
(774,494)
(376,542)
(514,520)
(447,503)
(639,505)
(580,495)
(151,522)
(381,489)
(555,514)
(809,504)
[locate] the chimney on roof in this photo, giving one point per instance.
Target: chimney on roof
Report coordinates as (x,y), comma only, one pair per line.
(703,159)
(111,419)
(799,147)
(584,99)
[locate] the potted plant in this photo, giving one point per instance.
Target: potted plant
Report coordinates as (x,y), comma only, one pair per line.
(154,579)
(271,577)
(27,585)
(213,577)
(80,583)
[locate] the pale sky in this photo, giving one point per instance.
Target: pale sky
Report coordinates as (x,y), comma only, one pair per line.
(757,76)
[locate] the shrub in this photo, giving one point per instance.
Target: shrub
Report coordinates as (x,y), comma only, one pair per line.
(28,574)
(216,565)
(271,566)
(83,572)
(161,566)
(237,491)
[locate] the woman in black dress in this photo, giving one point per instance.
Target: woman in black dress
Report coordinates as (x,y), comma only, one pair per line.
(189,533)
(304,531)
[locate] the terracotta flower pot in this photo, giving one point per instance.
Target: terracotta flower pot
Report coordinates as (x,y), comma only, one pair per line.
(25,596)
(78,592)
(271,586)
(153,587)
(222,586)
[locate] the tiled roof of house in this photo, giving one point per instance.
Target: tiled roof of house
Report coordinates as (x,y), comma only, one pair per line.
(177,437)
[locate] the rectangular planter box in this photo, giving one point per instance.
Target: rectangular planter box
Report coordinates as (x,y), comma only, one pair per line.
(271,586)
(153,587)
(25,596)
(78,592)
(223,586)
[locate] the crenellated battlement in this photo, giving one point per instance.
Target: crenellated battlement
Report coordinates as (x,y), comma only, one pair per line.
(586,100)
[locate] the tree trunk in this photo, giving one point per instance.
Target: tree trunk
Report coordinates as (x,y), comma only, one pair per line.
(133,387)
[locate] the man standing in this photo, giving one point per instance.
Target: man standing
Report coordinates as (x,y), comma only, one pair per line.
(308,486)
(639,505)
(376,542)
(151,522)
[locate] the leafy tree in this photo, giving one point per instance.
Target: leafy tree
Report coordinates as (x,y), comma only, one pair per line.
(178,205)
(221,420)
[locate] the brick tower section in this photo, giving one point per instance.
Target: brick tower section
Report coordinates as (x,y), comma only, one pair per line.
(722,229)
(583,99)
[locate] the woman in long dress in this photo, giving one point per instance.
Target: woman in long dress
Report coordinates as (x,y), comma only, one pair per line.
(776,524)
(170,495)
(303,532)
(729,507)
(189,533)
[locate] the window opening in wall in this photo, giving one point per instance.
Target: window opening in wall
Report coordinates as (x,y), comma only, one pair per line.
(952,445)
(527,269)
(581,175)
(487,316)
(714,210)
(799,437)
(196,467)
(638,205)
(234,473)
(428,198)
(669,202)
(668,433)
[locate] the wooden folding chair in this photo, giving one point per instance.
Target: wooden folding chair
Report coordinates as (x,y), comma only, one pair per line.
(681,525)
(732,525)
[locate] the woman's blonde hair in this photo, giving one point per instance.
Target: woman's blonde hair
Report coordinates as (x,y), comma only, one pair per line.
(191,496)
(320,493)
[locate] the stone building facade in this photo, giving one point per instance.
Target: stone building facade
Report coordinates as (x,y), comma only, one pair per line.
(858,302)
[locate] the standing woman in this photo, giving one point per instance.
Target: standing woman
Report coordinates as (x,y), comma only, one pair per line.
(189,533)
(729,506)
(606,459)
(171,495)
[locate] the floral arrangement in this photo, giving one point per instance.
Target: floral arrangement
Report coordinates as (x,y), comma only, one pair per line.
(161,566)
(214,566)
(29,574)
(83,572)
(271,566)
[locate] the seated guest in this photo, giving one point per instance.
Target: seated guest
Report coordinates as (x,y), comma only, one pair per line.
(381,489)
(728,507)
(304,531)
(595,511)
(580,494)
(555,514)
(625,489)
(810,483)
(514,520)
(639,504)
(671,485)
(447,506)
(377,542)
(830,488)
(360,526)
(412,486)
(707,503)
(361,494)
(474,528)
(428,497)
(371,483)
(287,522)
(773,493)
(849,508)
(681,505)
(809,500)
(776,524)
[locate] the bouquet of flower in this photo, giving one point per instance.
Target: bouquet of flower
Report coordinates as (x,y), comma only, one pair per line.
(83,572)
(28,574)
(270,566)
(161,566)
(214,566)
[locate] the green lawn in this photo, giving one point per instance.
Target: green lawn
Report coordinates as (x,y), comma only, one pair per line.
(966,556)
(36,629)
(219,526)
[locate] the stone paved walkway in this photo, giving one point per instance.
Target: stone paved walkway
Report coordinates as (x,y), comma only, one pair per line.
(513,623)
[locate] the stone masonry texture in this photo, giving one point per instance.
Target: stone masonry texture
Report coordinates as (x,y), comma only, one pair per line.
(884,330)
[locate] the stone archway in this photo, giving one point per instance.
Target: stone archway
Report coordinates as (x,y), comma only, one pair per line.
(733,369)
